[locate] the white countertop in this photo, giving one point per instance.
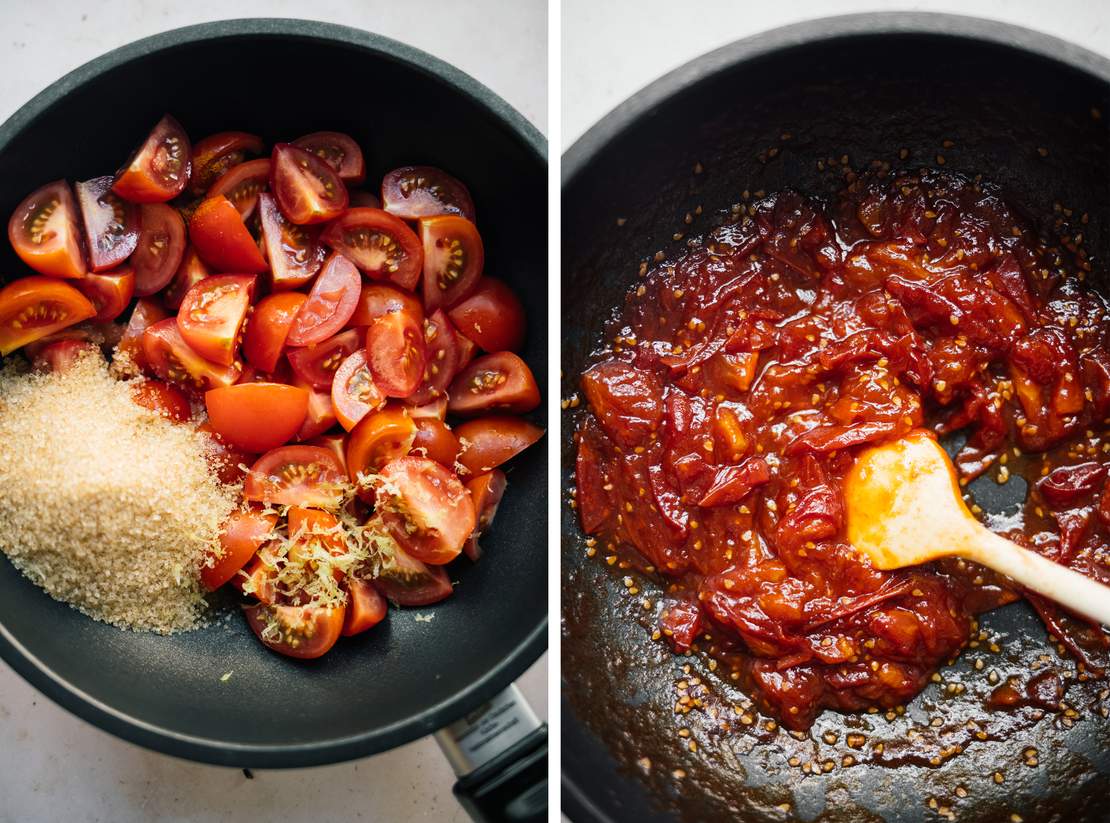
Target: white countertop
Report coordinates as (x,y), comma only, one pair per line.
(54,766)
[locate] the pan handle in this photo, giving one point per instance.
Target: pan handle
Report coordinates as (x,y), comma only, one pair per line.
(499,754)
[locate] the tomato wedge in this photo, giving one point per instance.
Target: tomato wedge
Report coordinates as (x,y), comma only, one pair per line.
(377,299)
(264,339)
(159,169)
(335,443)
(490,441)
(320,416)
(331,302)
(256,417)
(160,250)
(166,353)
(395,353)
(162,398)
(33,307)
(381,245)
(486,490)
(354,393)
(58,355)
(224,458)
(408,582)
(243,533)
(212,316)
(221,238)
(316,365)
(303,632)
(292,250)
(339,151)
(491,316)
(109,293)
(453,259)
(191,271)
(412,192)
(366,607)
(379,438)
(242,184)
(441,347)
(111,223)
(500,381)
(306,188)
(426,508)
(217,153)
(435,440)
(43,231)
(296,476)
(145,314)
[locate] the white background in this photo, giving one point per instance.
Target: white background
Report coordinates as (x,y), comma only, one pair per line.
(54,767)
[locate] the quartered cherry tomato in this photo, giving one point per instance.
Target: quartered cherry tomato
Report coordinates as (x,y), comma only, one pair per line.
(500,381)
(435,440)
(212,316)
(256,417)
(377,299)
(491,316)
(427,509)
(217,153)
(395,353)
(160,249)
(486,490)
(59,355)
(43,231)
(222,239)
(163,398)
(366,607)
(264,339)
(381,245)
(159,169)
(334,442)
(317,365)
(111,223)
(441,358)
(330,304)
(145,314)
(354,392)
(110,293)
(304,632)
(379,438)
(191,271)
(412,192)
(293,251)
(490,441)
(453,259)
(166,353)
(225,459)
(408,582)
(434,408)
(295,476)
(243,534)
(306,188)
(33,307)
(320,416)
(339,151)
(242,185)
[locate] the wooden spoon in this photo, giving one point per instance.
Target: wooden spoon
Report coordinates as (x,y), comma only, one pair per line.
(904,508)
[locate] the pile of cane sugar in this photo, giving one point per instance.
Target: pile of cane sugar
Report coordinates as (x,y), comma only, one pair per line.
(106,505)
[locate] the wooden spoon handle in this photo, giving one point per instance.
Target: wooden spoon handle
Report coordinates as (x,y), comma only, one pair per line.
(1069,588)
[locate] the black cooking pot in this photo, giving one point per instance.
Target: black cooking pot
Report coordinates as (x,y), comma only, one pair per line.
(405,679)
(1030,112)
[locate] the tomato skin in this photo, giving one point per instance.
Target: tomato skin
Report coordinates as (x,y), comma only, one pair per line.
(494,382)
(221,238)
(360,198)
(306,632)
(191,271)
(320,416)
(441,346)
(377,299)
(212,316)
(59,251)
(395,353)
(335,443)
(408,582)
(295,476)
(264,339)
(166,353)
(111,223)
(453,259)
(256,417)
(58,355)
(435,408)
(366,607)
(242,185)
(427,509)
(490,441)
(486,490)
(110,293)
(379,244)
(330,303)
(160,250)
(160,168)
(412,192)
(217,153)
(491,316)
(435,440)
(339,151)
(354,392)
(33,307)
(293,251)
(379,438)
(225,458)
(306,188)
(316,365)
(145,314)
(162,398)
(242,535)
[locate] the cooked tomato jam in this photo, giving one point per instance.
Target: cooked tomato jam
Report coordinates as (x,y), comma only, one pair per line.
(740,380)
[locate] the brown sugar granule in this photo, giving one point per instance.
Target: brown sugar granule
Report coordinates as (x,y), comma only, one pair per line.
(105,505)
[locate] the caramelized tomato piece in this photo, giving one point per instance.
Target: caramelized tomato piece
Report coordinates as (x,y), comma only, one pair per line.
(495,382)
(33,307)
(43,231)
(160,168)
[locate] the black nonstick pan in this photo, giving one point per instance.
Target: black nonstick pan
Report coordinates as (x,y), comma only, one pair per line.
(1027,110)
(280,79)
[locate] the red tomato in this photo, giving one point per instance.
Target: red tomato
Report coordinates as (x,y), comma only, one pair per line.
(109,293)
(257,578)
(428,511)
(225,459)
(256,417)
(292,250)
(295,476)
(500,381)
(467,350)
(33,307)
(354,393)
(304,632)
(316,365)
(395,353)
(162,398)
(43,231)
(335,443)
(145,314)
(381,245)
(366,607)
(166,353)
(264,339)
(111,223)
(490,441)
(217,153)
(339,151)
(441,354)
(330,304)
(320,416)
(379,438)
(159,169)
(360,198)
(59,355)
(242,185)
(222,240)
(412,192)
(212,316)
(306,188)
(435,440)
(377,299)
(243,533)
(491,316)
(308,526)
(436,408)
(453,259)
(161,247)
(191,271)
(486,490)
(408,582)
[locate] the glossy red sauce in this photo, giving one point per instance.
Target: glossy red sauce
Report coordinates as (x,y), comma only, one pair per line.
(740,380)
